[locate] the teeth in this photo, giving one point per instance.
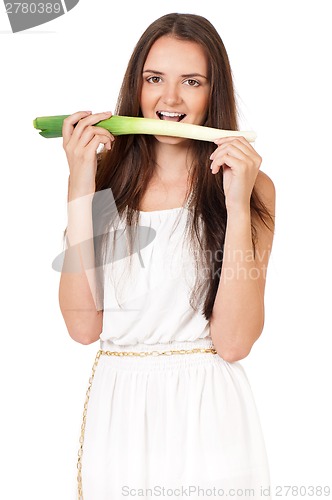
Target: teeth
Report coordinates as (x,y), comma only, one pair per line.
(172,115)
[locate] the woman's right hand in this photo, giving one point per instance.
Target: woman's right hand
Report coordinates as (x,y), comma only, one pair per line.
(80,144)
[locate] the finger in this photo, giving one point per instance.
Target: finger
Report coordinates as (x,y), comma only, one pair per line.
(69,122)
(76,132)
(229,150)
(235,144)
(93,145)
(228,160)
(231,138)
(93,130)
(240,140)
(90,120)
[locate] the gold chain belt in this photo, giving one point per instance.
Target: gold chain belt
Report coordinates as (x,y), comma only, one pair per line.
(94,367)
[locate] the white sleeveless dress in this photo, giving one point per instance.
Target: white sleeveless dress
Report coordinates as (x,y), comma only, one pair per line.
(167,426)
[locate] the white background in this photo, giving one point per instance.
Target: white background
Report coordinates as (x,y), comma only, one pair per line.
(280,57)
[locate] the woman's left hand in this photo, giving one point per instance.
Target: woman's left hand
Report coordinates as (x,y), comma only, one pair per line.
(240,164)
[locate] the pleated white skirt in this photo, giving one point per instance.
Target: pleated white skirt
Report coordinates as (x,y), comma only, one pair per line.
(172,426)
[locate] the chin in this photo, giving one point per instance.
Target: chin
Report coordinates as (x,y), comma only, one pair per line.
(165,139)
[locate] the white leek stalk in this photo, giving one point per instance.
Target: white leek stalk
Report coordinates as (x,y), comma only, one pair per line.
(51,126)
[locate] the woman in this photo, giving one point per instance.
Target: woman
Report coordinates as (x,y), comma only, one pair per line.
(169,406)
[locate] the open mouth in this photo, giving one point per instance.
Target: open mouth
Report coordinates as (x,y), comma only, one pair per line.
(170,116)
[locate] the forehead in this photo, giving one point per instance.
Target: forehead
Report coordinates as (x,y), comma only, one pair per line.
(171,54)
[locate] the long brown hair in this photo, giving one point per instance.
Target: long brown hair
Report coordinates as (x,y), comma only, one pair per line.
(129,166)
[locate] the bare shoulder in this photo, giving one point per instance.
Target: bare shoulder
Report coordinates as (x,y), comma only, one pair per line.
(266,190)
(264,185)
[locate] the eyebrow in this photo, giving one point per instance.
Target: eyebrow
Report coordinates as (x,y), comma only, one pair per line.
(189,75)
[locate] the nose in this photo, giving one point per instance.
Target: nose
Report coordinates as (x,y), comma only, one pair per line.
(171,94)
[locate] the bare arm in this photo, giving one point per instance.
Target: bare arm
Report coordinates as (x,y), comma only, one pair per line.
(238,313)
(78,290)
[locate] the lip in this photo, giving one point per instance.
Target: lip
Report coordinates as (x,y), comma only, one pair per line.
(170,111)
(173,111)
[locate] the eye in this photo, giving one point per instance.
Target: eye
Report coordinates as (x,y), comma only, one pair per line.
(192,83)
(153,79)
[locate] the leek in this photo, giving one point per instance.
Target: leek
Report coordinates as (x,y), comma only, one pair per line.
(51,126)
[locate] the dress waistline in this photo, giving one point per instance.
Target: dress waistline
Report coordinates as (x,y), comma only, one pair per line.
(165,348)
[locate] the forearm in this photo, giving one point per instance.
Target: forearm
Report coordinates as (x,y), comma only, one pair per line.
(78,284)
(238,313)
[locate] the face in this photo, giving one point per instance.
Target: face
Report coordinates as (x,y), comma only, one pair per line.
(175,84)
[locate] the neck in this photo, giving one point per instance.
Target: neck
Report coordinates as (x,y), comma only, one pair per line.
(172,162)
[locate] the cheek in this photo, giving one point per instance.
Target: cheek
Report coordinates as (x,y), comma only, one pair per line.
(143,92)
(146,98)
(200,101)
(201,110)
(142,99)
